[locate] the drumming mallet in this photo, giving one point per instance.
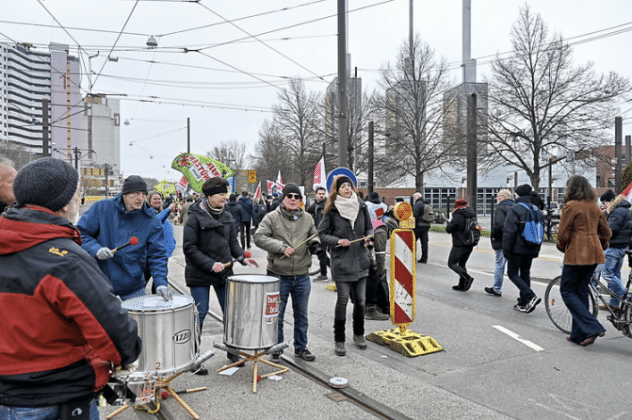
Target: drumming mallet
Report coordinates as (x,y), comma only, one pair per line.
(302,243)
(247,254)
(132,241)
(357,240)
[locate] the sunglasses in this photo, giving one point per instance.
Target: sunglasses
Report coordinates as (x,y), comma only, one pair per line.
(293,196)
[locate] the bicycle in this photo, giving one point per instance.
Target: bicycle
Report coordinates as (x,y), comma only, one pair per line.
(621,317)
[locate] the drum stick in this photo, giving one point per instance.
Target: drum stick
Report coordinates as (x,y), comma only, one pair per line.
(357,240)
(188,391)
(247,254)
(302,243)
(132,241)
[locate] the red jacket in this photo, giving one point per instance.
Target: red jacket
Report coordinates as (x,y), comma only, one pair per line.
(61,327)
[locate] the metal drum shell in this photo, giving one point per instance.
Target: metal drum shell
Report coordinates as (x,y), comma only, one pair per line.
(167,330)
(252,308)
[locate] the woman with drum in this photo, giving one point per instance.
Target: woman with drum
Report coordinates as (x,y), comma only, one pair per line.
(209,244)
(345,228)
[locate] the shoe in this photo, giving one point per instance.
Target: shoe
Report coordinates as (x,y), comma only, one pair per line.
(530,307)
(492,292)
(520,308)
(202,371)
(612,307)
(372,312)
(458,287)
(305,355)
(468,283)
(340,348)
(359,341)
(591,339)
(321,278)
(423,261)
(276,357)
(234,358)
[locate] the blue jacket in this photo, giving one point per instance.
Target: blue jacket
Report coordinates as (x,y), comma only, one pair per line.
(247,209)
(107,224)
(167,229)
(620,223)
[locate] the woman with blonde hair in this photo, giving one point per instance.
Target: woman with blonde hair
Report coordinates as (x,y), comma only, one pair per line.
(582,236)
(344,224)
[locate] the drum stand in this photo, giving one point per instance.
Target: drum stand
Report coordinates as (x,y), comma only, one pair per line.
(256,358)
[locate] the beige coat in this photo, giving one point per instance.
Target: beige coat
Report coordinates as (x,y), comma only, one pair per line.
(583,233)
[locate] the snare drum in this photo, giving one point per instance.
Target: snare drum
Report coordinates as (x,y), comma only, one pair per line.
(168,330)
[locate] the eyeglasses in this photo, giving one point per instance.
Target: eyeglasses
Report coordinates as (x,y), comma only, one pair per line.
(293,196)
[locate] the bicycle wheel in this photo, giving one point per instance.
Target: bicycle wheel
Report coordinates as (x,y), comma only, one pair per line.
(627,328)
(556,308)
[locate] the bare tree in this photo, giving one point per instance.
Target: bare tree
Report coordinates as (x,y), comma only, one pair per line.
(269,156)
(544,107)
(232,153)
(413,107)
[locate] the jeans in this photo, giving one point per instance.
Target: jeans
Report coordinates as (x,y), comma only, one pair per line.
(519,272)
(298,287)
(200,295)
(611,272)
(574,290)
(357,291)
(499,273)
(40,413)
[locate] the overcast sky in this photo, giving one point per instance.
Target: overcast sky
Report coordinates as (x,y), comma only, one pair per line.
(248,48)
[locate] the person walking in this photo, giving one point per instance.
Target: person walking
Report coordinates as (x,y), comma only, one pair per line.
(289,236)
(582,236)
(345,228)
(422,226)
(111,223)
(235,210)
(247,215)
(316,211)
(505,202)
(518,252)
(62,330)
(461,250)
(620,223)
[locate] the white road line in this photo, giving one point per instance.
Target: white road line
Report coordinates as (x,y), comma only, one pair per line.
(517,338)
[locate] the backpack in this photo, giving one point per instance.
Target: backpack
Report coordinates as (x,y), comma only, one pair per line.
(533,231)
(428,215)
(472,233)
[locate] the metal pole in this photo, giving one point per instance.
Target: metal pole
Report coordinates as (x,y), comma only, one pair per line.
(472,185)
(45,152)
(370,180)
(188,135)
(342,84)
(618,128)
(107,172)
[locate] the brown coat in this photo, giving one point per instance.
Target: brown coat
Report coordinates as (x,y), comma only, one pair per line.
(583,233)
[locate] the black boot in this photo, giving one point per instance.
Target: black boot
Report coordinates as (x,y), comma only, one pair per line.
(339,336)
(467,282)
(459,286)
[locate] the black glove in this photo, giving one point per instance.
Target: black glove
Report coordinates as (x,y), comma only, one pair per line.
(314,247)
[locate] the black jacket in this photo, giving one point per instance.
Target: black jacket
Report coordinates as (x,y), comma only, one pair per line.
(456,225)
(316,210)
(205,241)
(513,242)
(500,214)
(349,263)
(620,223)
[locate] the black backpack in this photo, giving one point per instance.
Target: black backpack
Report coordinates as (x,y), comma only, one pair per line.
(472,232)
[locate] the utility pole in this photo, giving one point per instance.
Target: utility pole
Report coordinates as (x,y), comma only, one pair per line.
(472,185)
(76,158)
(107,173)
(618,128)
(371,130)
(45,152)
(188,135)
(342,84)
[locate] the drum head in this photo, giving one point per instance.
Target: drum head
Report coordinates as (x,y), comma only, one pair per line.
(252,278)
(156,303)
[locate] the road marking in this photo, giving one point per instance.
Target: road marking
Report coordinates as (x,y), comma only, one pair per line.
(517,338)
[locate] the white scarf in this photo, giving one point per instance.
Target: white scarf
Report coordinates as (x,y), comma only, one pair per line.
(348,207)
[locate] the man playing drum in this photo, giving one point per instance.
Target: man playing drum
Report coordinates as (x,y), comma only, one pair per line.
(62,327)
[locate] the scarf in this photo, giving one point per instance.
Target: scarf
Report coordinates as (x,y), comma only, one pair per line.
(348,207)
(212,211)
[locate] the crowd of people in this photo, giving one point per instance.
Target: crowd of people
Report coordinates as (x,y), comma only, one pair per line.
(71,274)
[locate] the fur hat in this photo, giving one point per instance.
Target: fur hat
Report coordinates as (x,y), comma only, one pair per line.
(608,196)
(524,189)
(291,188)
(46,182)
(134,183)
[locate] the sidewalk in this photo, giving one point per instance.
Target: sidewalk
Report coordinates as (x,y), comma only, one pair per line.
(297,396)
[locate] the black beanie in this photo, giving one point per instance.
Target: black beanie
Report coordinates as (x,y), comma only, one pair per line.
(524,189)
(46,182)
(134,183)
(341,180)
(291,188)
(608,196)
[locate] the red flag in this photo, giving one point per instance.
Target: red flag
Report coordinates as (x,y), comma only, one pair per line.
(270,187)
(257,196)
(628,193)
(279,182)
(182,185)
(319,175)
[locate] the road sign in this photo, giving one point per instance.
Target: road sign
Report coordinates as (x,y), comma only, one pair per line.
(252,176)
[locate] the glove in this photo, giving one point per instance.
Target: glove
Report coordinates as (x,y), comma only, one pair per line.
(165,292)
(104,253)
(241,260)
(314,247)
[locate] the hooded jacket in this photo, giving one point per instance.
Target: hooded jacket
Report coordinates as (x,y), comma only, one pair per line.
(206,241)
(500,214)
(456,225)
(61,325)
(513,242)
(108,224)
(620,222)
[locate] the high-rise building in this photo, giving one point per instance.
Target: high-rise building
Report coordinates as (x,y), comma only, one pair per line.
(30,80)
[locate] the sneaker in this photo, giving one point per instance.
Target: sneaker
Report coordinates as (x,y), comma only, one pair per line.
(321,278)
(530,307)
(202,371)
(372,312)
(422,261)
(359,341)
(520,308)
(340,348)
(305,355)
(492,292)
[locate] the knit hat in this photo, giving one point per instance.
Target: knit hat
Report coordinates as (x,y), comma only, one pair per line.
(341,179)
(522,190)
(608,196)
(460,203)
(374,197)
(291,188)
(134,183)
(232,197)
(46,182)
